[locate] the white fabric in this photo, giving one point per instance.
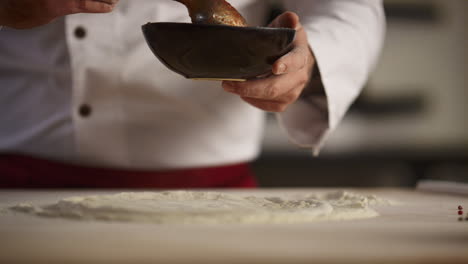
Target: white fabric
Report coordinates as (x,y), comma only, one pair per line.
(346,38)
(147,117)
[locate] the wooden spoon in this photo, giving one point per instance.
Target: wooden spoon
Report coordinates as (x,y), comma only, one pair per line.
(214,12)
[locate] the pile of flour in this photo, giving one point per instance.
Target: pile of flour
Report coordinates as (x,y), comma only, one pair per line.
(193,207)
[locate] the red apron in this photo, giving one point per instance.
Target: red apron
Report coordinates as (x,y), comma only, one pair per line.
(17,171)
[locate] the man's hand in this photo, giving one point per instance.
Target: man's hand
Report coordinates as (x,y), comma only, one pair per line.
(22,14)
(291,73)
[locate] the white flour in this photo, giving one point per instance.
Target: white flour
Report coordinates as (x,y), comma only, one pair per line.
(189,207)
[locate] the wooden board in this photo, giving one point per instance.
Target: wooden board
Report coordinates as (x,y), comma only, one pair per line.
(423,229)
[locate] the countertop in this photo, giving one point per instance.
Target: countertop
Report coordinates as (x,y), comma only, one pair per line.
(422,228)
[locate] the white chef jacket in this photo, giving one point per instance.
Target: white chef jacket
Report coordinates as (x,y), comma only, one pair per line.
(86,88)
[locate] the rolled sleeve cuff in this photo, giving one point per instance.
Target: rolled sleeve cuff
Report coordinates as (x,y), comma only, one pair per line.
(346,38)
(306,122)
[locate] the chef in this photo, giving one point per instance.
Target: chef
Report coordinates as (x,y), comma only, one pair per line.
(84,103)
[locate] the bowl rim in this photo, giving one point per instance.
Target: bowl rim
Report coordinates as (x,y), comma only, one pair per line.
(248,28)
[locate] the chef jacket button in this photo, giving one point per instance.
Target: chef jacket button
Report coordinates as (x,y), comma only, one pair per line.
(80,32)
(84,110)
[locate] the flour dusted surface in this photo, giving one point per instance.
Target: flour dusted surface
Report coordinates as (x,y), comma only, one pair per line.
(193,207)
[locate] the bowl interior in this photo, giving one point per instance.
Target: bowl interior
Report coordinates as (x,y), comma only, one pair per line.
(217,51)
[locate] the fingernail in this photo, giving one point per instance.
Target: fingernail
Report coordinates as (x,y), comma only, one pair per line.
(281,69)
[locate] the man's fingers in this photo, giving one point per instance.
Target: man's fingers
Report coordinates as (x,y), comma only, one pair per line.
(291,73)
(112,2)
(90,6)
(269,88)
(33,13)
(82,6)
(299,56)
(265,105)
(295,60)
(286,20)
(275,105)
(97,6)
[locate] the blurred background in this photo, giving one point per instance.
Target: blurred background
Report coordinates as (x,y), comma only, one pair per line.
(410,122)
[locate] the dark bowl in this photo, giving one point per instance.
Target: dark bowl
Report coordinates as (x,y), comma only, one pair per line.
(216,51)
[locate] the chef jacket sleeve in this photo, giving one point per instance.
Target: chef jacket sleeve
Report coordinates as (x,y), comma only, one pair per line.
(346,37)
